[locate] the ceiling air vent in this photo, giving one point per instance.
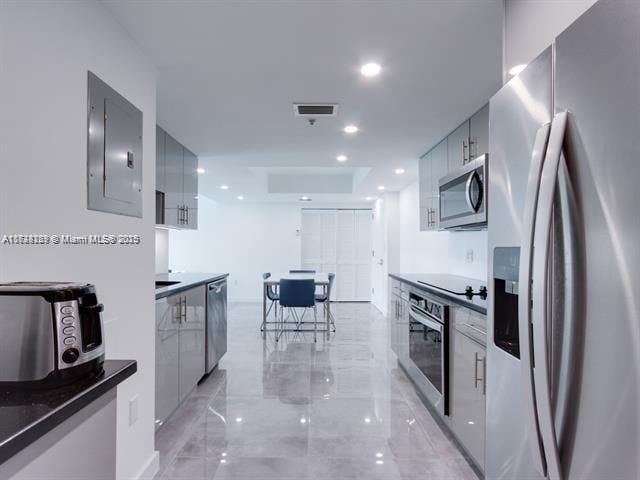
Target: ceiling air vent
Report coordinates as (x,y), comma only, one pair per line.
(315,109)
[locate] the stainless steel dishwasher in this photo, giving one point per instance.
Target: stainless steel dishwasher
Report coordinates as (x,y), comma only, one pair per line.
(216,323)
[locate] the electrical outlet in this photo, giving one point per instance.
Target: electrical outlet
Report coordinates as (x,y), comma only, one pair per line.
(470,255)
(133,410)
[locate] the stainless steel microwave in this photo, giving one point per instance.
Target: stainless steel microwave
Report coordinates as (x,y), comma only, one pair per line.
(463,197)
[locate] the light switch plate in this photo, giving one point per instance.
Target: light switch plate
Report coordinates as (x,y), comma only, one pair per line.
(470,255)
(133,410)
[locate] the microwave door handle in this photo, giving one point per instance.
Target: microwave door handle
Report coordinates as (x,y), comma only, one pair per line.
(474,207)
(524,297)
(540,294)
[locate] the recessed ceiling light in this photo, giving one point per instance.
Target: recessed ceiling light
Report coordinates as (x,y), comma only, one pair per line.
(367,419)
(350,129)
(380,187)
(368,199)
(517,69)
(342,158)
(370,69)
(239,419)
(399,171)
(224,187)
(200,170)
(379,455)
(240,197)
(380,462)
(304,198)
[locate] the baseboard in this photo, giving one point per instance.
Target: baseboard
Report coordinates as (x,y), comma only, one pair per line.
(151,468)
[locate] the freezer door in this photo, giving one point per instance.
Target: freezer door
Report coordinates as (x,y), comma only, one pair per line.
(516,114)
(598,82)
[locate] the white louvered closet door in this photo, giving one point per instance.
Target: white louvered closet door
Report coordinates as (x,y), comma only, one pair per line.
(328,243)
(345,269)
(362,255)
(339,241)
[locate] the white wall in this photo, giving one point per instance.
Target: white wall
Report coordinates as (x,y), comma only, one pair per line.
(46,49)
(436,252)
(162,250)
(242,239)
(532,25)
(385,233)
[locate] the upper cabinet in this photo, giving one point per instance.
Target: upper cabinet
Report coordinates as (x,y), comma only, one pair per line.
(176,182)
(479,133)
(467,142)
(458,146)
(432,166)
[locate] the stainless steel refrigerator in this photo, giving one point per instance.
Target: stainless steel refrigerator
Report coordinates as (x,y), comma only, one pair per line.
(563,387)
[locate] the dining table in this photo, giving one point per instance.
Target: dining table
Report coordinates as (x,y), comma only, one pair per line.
(321,280)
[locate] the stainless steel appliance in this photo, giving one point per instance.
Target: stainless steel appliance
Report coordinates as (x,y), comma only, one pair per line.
(563,368)
(429,347)
(51,333)
(463,196)
(216,323)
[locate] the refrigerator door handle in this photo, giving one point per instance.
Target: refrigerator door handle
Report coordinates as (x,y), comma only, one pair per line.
(540,294)
(524,297)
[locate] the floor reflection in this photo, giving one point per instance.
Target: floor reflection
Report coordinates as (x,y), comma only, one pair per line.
(337,409)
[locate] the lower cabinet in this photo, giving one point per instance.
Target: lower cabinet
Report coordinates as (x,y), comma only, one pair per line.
(468,394)
(180,346)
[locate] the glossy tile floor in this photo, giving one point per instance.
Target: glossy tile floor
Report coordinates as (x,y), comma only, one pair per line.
(339,409)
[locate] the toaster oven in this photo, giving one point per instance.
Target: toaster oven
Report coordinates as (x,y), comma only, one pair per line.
(50,333)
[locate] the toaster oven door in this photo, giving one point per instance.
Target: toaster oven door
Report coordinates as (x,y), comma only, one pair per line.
(27,344)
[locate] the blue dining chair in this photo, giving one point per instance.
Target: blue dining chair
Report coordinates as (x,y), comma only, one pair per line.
(272,296)
(297,293)
(325,298)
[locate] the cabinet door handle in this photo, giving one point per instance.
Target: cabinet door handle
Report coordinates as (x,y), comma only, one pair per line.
(464,152)
(472,151)
(187,210)
(183,302)
(178,312)
(484,375)
(476,379)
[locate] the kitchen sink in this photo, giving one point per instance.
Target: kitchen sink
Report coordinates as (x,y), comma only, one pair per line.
(165,283)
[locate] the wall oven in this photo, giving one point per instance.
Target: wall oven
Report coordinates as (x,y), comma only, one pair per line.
(463,196)
(429,347)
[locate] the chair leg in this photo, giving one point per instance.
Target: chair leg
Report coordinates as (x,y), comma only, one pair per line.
(315,324)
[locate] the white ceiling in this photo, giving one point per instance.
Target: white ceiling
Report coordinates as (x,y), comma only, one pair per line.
(229,71)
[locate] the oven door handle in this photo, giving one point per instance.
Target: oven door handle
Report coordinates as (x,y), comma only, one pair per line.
(426,321)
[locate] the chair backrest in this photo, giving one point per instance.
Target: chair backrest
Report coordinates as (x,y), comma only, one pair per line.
(297,292)
(302,271)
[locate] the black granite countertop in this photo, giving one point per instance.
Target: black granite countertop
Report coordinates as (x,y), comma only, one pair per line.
(187,280)
(27,415)
(448,286)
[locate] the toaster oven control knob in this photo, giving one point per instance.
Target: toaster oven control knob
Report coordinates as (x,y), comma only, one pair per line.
(70,355)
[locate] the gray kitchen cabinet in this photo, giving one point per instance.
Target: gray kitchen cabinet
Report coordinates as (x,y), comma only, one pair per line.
(432,166)
(180,348)
(468,392)
(479,132)
(426,192)
(190,189)
(173,181)
(192,339)
(167,390)
(177,179)
(439,169)
(160,159)
(458,146)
